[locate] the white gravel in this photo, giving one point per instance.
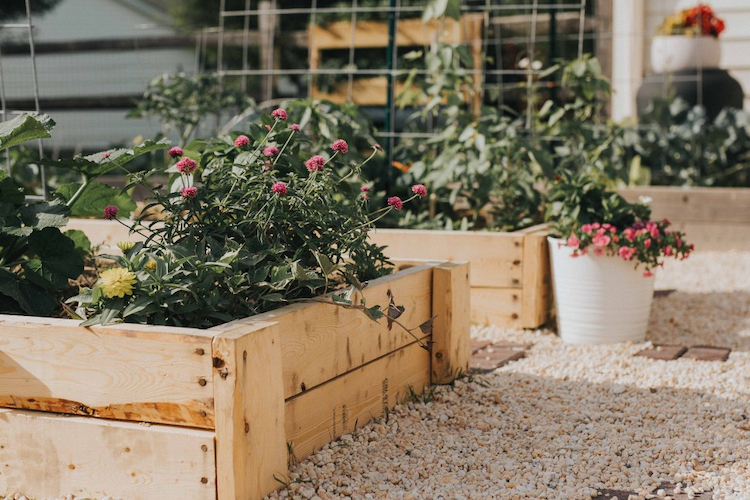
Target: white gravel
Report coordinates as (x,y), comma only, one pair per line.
(566,421)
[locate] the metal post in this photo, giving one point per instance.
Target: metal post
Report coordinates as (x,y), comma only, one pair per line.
(391,55)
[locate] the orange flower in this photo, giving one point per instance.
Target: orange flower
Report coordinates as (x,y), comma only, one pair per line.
(404,168)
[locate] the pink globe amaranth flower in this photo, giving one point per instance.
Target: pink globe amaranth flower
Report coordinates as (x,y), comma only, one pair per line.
(271,151)
(106,154)
(377,146)
(601,240)
(189,192)
(110,212)
(279,188)
(626,253)
(419,190)
(396,202)
(573,241)
(647,274)
(186,166)
(317,162)
(176,152)
(241,141)
(279,114)
(340,145)
(647,243)
(365,197)
(295,127)
(586,228)
(364,189)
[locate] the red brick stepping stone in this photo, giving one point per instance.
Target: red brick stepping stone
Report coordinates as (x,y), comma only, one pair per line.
(664,352)
(708,353)
(494,356)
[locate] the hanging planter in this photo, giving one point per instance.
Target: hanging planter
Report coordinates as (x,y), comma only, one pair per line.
(599,299)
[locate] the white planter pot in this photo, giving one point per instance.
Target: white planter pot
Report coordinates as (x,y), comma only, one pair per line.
(599,299)
(679,53)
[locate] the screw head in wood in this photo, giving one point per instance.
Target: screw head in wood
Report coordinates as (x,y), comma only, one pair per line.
(202,381)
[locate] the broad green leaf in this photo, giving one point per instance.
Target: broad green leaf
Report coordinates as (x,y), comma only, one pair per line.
(80,240)
(56,259)
(29,298)
(24,128)
(95,198)
(101,163)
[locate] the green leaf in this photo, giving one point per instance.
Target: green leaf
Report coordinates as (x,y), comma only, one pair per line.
(24,128)
(10,192)
(101,163)
(95,197)
(29,298)
(34,216)
(80,240)
(57,259)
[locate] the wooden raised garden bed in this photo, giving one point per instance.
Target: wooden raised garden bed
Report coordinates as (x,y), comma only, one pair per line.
(510,274)
(145,412)
(712,218)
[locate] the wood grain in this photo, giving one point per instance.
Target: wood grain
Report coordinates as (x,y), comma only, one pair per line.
(127,372)
(250,438)
(496,258)
(47,455)
(714,205)
(496,306)
(322,341)
(346,403)
(537,280)
(451,349)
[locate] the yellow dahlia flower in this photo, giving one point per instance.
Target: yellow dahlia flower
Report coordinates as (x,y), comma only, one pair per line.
(150,265)
(125,245)
(116,282)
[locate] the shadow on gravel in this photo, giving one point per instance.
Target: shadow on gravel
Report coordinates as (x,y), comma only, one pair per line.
(717,319)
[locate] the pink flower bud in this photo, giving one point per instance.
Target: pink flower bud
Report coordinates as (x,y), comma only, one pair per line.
(340,145)
(419,190)
(317,162)
(176,152)
(241,141)
(189,192)
(279,188)
(279,114)
(396,202)
(110,212)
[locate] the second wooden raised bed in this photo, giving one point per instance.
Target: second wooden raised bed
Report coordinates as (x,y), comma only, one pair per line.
(510,276)
(144,412)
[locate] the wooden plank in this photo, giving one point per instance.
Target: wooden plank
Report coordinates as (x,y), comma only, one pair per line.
(322,341)
(715,205)
(496,306)
(451,333)
(105,232)
(250,441)
(495,258)
(127,372)
(374,34)
(716,236)
(346,403)
(537,281)
(45,455)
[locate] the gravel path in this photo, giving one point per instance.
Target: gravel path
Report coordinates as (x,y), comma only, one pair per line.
(568,421)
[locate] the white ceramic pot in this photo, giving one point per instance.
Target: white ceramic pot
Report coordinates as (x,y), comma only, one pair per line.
(679,53)
(599,299)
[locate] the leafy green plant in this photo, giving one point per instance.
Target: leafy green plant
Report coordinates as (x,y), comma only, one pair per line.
(183,102)
(254,222)
(590,217)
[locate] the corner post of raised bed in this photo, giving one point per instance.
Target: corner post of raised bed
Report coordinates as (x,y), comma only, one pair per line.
(251,450)
(451,327)
(537,288)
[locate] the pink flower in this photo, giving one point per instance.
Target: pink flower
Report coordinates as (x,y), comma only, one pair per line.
(573,241)
(186,166)
(271,151)
(647,274)
(598,251)
(365,197)
(189,192)
(626,253)
(691,247)
(110,212)
(638,225)
(377,146)
(268,127)
(601,240)
(596,225)
(176,152)
(364,188)
(295,127)
(666,222)
(629,233)
(396,202)
(279,114)
(279,188)
(106,154)
(419,190)
(586,228)
(241,141)
(678,241)
(667,251)
(317,162)
(647,242)
(340,145)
